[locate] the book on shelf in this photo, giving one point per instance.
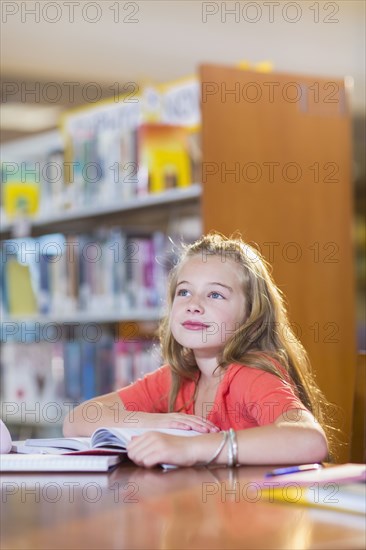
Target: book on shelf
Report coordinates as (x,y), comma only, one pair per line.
(53,196)
(20,199)
(130,161)
(124,364)
(88,368)
(163,158)
(96,368)
(44,285)
(129,148)
(72,269)
(104,365)
(56,463)
(21,298)
(107,270)
(33,167)
(32,381)
(95,158)
(100,144)
(40,379)
(72,370)
(133,359)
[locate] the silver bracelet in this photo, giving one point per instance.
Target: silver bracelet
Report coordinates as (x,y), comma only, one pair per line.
(230,455)
(221,446)
(233,456)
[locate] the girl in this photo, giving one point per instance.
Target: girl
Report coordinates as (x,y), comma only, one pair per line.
(232,363)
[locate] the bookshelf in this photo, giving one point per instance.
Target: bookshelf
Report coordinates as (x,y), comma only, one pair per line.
(149,205)
(60,221)
(300,220)
(109,214)
(80,317)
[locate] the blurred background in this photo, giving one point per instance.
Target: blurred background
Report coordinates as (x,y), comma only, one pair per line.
(119,44)
(56,56)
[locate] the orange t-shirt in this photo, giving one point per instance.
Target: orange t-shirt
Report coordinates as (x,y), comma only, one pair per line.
(246,397)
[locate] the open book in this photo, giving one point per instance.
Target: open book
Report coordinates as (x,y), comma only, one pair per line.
(103,441)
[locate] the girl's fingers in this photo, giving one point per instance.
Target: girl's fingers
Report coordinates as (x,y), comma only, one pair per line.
(149,450)
(205,422)
(186,426)
(141,448)
(196,423)
(138,445)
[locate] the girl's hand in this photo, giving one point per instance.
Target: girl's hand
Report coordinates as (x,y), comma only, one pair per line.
(155,448)
(179,421)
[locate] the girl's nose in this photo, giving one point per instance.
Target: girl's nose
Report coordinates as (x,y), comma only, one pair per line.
(195,306)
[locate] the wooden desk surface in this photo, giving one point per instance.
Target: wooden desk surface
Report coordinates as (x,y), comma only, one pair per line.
(133,508)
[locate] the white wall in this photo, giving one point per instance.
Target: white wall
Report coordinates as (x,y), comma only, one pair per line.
(164,40)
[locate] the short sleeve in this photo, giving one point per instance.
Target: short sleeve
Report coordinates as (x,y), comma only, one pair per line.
(263,396)
(148,394)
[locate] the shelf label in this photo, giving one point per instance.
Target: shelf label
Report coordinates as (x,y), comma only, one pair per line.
(105,117)
(181,104)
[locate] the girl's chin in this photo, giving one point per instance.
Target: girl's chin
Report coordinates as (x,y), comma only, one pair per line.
(202,350)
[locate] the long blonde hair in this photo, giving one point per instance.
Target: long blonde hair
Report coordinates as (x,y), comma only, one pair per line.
(265,337)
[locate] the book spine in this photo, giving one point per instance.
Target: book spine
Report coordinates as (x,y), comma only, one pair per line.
(88,370)
(105,365)
(123,365)
(72,365)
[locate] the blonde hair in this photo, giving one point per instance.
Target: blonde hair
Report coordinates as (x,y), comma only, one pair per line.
(264,340)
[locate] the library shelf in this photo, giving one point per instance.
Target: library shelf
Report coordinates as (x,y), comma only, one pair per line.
(60,220)
(84,317)
(26,424)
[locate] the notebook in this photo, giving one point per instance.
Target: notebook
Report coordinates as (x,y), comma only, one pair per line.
(56,463)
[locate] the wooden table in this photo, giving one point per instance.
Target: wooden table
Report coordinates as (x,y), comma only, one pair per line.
(134,508)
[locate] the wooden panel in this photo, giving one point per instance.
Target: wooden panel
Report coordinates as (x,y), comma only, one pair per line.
(286,140)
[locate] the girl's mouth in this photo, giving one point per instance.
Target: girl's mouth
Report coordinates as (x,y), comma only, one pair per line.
(194,325)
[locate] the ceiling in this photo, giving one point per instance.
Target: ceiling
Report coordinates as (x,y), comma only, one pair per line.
(106,42)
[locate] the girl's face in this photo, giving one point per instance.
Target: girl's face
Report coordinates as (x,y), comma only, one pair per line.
(208,305)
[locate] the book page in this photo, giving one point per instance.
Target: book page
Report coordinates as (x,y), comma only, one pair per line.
(64,443)
(119,437)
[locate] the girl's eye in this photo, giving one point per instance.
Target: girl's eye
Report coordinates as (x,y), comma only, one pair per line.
(216,295)
(182,292)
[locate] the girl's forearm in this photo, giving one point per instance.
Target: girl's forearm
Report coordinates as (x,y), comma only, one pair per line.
(108,411)
(84,419)
(275,444)
(272,444)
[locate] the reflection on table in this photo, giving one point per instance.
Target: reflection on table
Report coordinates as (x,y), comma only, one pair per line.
(183,508)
